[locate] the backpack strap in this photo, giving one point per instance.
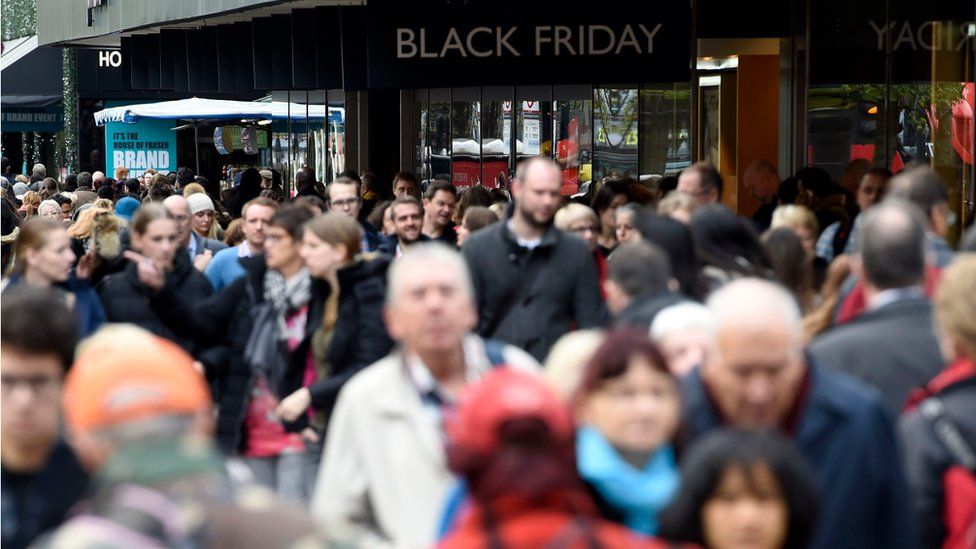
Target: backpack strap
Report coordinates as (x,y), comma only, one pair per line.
(496,352)
(842,235)
(933,409)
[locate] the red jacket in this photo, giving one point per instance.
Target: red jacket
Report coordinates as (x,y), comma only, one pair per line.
(557,520)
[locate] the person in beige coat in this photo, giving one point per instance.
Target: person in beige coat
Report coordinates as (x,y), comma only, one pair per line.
(384,479)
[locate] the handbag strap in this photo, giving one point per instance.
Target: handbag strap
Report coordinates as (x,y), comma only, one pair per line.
(525,280)
(933,409)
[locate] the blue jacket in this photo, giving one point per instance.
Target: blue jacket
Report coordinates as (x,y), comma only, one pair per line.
(848,439)
(224,268)
(87,306)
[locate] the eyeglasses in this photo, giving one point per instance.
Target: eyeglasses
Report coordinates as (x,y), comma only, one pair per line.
(344,203)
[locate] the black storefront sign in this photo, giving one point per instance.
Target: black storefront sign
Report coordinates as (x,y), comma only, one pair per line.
(440,44)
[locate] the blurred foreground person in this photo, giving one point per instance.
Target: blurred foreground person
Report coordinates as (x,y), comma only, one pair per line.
(743,489)
(756,376)
(628,407)
(40,476)
(639,284)
(512,442)
(143,427)
(384,480)
(683,333)
(939,432)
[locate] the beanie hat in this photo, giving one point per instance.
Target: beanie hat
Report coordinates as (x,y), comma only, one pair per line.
(199,202)
(126,207)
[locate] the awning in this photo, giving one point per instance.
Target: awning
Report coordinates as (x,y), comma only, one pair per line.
(212,109)
(32,75)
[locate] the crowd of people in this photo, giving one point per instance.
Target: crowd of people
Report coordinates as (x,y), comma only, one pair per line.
(634,365)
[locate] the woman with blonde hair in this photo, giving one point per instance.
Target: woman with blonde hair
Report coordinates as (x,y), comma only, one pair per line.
(801,221)
(30,204)
(352,335)
(583,222)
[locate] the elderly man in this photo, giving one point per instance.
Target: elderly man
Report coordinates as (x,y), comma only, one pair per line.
(756,376)
(384,480)
(200,249)
(892,346)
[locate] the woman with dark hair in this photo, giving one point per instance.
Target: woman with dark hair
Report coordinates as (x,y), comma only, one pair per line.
(475,218)
(743,489)
(628,408)
(674,238)
(249,189)
(610,196)
(471,196)
(727,246)
(511,441)
(792,265)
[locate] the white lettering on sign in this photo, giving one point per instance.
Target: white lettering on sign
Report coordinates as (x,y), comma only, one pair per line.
(928,36)
(555,40)
(112,58)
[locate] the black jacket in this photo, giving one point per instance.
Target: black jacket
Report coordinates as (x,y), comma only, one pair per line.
(892,348)
(564,293)
(127,299)
(927,459)
(223,324)
(643,308)
(359,337)
(388,244)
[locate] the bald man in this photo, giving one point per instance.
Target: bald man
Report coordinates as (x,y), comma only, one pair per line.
(201,250)
(756,376)
(762,181)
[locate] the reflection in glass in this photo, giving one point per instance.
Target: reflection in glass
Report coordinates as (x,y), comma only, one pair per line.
(574,140)
(465,143)
(615,132)
(439,137)
(665,120)
(534,129)
(496,131)
(421,152)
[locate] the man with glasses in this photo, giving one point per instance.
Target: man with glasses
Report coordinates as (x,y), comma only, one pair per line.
(343,194)
(201,249)
(40,476)
(702,182)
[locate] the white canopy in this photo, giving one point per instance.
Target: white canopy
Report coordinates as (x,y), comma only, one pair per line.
(196,108)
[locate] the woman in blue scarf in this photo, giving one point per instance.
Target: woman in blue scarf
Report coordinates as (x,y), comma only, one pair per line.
(628,410)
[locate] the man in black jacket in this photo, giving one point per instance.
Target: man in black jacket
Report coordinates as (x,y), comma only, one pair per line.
(532,282)
(892,346)
(637,285)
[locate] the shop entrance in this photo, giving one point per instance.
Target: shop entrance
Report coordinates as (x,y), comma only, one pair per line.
(741,89)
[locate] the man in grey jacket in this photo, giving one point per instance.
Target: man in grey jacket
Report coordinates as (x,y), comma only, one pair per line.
(533,283)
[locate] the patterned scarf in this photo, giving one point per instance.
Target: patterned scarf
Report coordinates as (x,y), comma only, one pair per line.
(287,296)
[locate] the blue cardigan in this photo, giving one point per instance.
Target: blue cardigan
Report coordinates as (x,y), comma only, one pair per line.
(848,439)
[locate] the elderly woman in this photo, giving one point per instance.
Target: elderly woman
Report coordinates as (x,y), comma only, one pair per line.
(50,209)
(583,222)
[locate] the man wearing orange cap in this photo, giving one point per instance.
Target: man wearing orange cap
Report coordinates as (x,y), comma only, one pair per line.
(139,416)
(40,476)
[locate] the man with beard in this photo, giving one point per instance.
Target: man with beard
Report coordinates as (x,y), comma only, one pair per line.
(533,283)
(408,214)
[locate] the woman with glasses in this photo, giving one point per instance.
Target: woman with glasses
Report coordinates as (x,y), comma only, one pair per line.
(583,222)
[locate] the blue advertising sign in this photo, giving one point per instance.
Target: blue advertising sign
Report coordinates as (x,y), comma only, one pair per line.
(32,119)
(140,146)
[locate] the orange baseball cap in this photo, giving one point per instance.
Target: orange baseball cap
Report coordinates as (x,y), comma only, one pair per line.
(128,375)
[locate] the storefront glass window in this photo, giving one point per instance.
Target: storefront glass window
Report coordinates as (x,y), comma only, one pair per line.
(534,128)
(439,134)
(496,142)
(665,120)
(615,126)
(572,128)
(465,140)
